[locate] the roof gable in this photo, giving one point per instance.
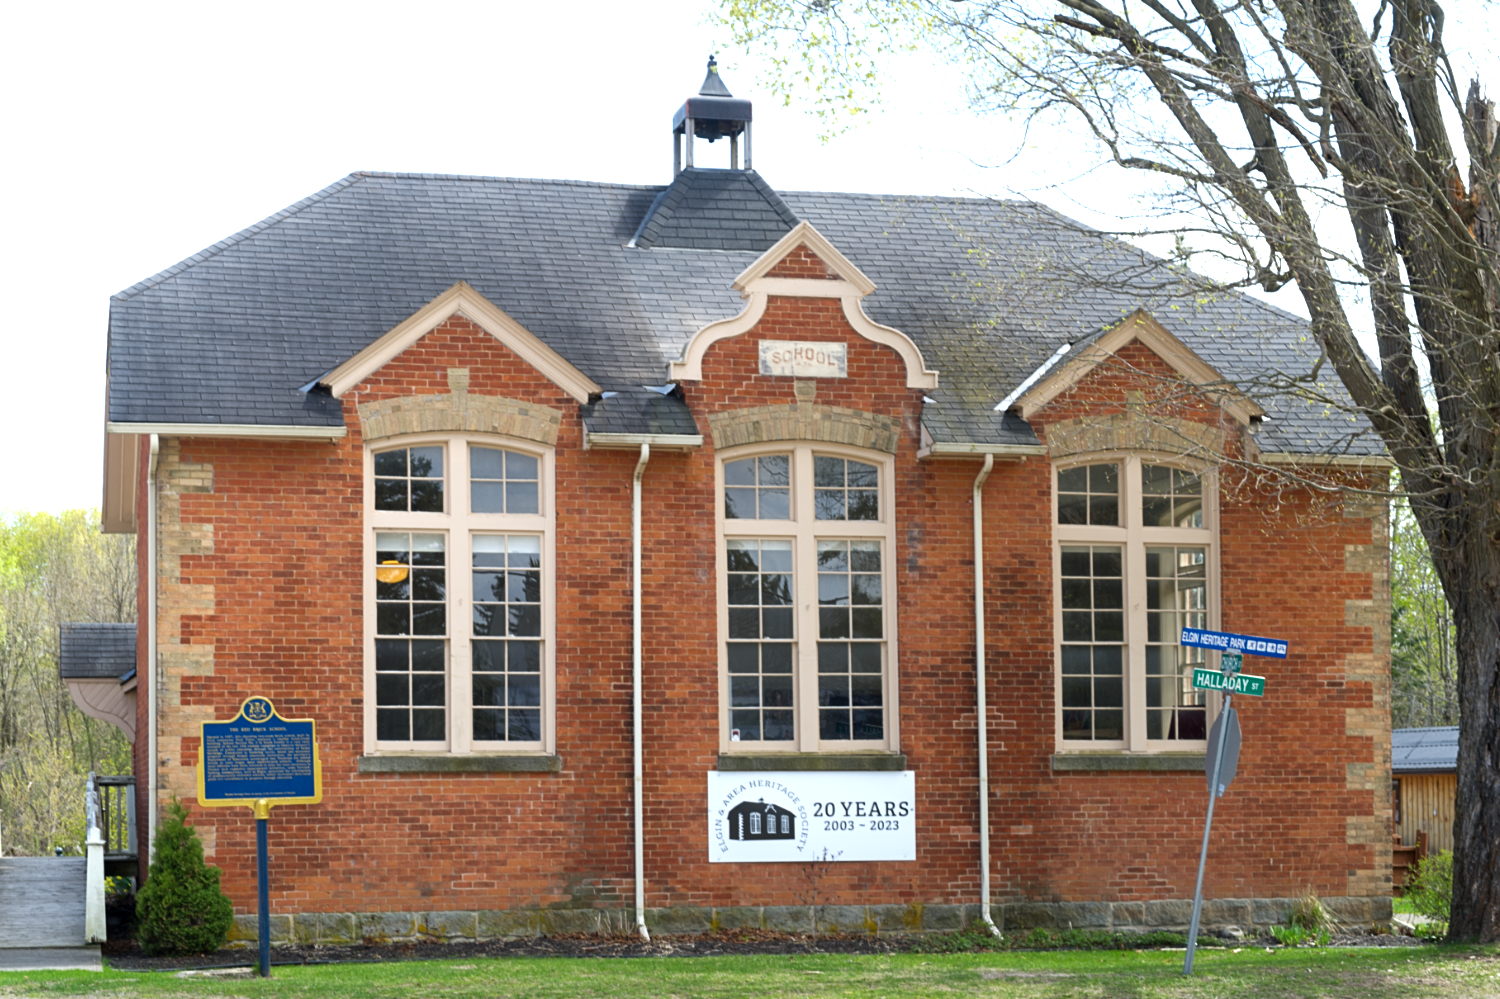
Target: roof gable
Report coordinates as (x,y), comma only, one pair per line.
(1139,326)
(850,286)
(461,299)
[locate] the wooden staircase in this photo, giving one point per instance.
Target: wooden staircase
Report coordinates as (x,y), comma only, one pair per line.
(41,901)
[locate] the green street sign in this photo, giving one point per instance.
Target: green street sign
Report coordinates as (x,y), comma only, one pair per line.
(1232,661)
(1238,683)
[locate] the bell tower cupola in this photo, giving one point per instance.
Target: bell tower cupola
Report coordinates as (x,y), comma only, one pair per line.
(713,114)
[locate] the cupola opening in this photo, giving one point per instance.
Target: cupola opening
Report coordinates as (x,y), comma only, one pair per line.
(713,114)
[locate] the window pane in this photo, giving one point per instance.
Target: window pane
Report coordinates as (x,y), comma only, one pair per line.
(1177,597)
(486,463)
(739,473)
(409,479)
(391,463)
(1093,626)
(774,470)
(845,490)
(756,488)
(850,675)
(427,463)
(503,481)
(1089,495)
(427,495)
(761,591)
(390,494)
(1175,500)
(522,497)
(487,497)
(507,614)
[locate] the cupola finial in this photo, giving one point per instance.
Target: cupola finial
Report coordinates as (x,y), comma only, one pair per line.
(713,84)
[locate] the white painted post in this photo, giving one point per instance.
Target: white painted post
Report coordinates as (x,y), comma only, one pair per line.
(93,909)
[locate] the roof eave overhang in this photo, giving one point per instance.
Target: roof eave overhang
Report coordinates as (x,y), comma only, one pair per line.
(978,449)
(239,430)
(1312,460)
(660,442)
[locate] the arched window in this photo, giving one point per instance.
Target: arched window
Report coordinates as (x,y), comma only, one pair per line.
(1136,562)
(799,520)
(459,616)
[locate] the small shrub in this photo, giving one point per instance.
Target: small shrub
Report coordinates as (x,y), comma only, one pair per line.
(1299,936)
(181,909)
(1430,893)
(1309,914)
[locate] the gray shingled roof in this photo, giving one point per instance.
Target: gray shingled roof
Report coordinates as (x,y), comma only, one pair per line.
(987,289)
(1424,750)
(716,210)
(90,651)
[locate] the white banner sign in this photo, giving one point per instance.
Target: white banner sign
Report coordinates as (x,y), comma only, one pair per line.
(799,816)
(804,360)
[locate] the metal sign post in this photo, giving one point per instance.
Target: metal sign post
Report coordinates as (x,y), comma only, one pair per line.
(260,759)
(1224,739)
(263,885)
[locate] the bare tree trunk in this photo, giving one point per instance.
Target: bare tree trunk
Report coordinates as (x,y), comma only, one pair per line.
(1476,824)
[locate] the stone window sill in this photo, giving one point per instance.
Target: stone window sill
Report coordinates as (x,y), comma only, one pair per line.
(1128,761)
(441,763)
(812,761)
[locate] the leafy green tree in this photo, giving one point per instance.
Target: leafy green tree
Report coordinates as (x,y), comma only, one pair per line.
(1424,673)
(181,909)
(1312,144)
(54,568)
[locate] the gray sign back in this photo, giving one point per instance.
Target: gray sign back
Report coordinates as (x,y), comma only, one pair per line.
(1231,751)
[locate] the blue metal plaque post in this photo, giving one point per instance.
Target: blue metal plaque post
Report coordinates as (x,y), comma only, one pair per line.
(260,759)
(263,885)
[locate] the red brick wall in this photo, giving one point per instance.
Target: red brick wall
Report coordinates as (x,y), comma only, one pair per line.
(803,263)
(285,568)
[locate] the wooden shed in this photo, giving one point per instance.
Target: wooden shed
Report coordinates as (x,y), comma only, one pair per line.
(1424,774)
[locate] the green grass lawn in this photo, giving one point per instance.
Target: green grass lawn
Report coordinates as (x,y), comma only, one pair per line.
(1366,973)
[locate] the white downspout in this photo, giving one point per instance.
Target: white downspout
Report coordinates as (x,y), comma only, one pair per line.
(982,709)
(150,670)
(635,679)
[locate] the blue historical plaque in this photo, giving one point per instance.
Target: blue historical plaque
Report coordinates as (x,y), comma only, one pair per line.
(259,756)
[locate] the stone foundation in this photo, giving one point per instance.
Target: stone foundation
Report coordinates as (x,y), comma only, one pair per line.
(1219,915)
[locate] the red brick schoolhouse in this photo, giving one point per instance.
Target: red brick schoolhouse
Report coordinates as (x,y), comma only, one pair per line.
(579,515)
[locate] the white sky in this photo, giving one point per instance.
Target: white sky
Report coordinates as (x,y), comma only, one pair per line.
(141,133)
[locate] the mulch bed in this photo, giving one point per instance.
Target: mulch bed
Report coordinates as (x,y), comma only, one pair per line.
(126,955)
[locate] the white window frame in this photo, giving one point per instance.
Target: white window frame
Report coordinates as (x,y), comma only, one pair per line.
(1133,539)
(458,525)
(804,531)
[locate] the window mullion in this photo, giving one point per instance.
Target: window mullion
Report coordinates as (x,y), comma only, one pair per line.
(460,583)
(1135,602)
(460,644)
(805,552)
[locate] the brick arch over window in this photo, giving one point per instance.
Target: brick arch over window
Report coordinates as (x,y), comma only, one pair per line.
(1134,431)
(804,421)
(459,412)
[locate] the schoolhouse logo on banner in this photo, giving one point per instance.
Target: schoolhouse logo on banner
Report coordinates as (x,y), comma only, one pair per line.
(794,817)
